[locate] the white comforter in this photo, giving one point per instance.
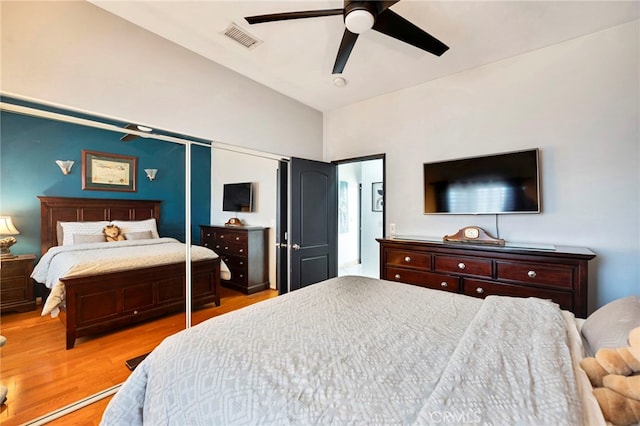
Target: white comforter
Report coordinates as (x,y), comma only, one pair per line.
(94,258)
(355,350)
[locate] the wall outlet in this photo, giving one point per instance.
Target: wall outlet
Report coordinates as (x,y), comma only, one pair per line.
(392,229)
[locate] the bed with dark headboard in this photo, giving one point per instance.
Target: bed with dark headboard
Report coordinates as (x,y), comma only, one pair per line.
(99,303)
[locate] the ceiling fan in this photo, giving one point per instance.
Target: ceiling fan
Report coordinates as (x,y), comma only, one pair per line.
(360,16)
(128,137)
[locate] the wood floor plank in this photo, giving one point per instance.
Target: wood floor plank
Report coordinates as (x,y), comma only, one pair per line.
(42,375)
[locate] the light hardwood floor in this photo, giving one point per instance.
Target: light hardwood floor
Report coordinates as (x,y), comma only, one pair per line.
(42,375)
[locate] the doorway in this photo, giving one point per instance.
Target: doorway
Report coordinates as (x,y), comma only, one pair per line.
(361,215)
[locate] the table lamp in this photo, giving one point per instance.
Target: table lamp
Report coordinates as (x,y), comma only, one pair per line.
(7,228)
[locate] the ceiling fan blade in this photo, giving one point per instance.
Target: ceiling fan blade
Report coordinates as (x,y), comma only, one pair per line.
(381,6)
(128,138)
(394,25)
(346,46)
(258,19)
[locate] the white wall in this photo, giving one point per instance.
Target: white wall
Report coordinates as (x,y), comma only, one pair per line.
(372,226)
(233,167)
(76,55)
(348,241)
(577,101)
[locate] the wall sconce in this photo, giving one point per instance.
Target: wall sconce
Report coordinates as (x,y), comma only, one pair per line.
(65,166)
(151,173)
(7,228)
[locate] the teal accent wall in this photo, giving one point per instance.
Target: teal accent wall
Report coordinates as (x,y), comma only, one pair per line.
(30,145)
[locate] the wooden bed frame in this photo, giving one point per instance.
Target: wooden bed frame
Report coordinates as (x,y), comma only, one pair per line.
(99,303)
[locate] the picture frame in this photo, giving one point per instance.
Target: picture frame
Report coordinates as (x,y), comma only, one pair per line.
(102,171)
(377,196)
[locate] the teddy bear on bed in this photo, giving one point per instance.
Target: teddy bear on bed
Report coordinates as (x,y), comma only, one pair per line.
(615,375)
(112,232)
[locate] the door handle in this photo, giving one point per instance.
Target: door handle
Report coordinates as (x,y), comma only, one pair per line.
(295,247)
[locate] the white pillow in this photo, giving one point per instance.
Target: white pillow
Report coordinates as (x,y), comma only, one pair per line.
(144,235)
(609,326)
(129,226)
(83,238)
(69,229)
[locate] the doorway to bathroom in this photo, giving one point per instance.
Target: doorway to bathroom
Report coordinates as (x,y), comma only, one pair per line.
(361,217)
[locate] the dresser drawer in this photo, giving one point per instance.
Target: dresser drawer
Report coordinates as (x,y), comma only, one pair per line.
(535,273)
(235,263)
(14,292)
(424,279)
(239,276)
(10,270)
(480,288)
(411,259)
(231,236)
(12,283)
(463,265)
(230,248)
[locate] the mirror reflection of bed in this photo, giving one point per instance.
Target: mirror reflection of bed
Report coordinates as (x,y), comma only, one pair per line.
(40,374)
(96,285)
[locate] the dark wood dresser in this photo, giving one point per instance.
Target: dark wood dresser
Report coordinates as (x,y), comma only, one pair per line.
(245,251)
(16,286)
(558,273)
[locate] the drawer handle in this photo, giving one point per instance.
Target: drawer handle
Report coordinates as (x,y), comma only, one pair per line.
(407,259)
(241,250)
(531,274)
(479,290)
(217,246)
(397,277)
(222,236)
(237,238)
(208,234)
(461,265)
(242,263)
(206,244)
(444,284)
(135,312)
(226,248)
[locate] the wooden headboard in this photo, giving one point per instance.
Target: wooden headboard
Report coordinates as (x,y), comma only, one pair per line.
(64,209)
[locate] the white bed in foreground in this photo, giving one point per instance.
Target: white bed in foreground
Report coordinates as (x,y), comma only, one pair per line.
(355,350)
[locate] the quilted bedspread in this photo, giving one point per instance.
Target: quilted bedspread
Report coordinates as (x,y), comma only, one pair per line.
(95,258)
(355,350)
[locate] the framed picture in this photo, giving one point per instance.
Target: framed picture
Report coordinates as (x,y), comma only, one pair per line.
(377,197)
(108,172)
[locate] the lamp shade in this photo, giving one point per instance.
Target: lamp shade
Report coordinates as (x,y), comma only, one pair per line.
(7,227)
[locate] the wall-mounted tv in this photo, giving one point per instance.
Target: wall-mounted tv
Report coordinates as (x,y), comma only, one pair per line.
(492,184)
(237,197)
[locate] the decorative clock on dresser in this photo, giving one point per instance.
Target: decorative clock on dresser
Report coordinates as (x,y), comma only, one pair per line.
(557,273)
(244,249)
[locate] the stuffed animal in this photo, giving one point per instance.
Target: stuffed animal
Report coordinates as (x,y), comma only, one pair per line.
(112,232)
(615,374)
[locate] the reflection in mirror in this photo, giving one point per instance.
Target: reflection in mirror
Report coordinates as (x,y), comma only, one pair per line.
(41,374)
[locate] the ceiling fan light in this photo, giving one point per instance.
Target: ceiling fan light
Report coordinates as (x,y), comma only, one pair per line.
(359,21)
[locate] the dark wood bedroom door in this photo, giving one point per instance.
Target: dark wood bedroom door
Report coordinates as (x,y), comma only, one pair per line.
(314,222)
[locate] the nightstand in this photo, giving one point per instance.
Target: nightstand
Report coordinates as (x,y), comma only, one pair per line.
(16,285)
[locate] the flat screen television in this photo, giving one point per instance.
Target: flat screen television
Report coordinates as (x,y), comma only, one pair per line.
(492,184)
(237,197)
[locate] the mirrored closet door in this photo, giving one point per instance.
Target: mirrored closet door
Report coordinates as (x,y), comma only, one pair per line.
(38,144)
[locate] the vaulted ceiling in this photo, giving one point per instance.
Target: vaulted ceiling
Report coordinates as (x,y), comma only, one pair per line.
(296,57)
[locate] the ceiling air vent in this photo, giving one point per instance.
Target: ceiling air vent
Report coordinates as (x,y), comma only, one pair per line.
(239,35)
